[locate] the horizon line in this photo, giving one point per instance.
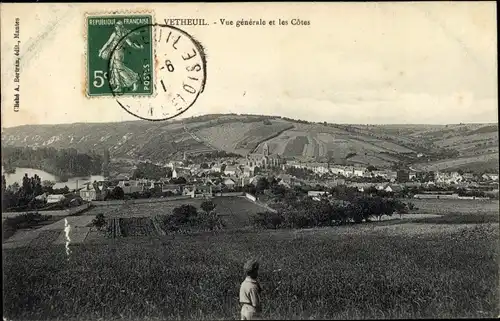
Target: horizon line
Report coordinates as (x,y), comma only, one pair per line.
(248,114)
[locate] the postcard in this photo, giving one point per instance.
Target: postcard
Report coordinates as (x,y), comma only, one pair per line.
(249,160)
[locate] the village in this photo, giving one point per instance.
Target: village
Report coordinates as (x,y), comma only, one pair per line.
(232,174)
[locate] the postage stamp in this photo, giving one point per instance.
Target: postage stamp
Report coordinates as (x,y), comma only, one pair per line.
(120,58)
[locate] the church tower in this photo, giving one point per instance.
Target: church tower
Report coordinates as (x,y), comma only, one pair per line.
(265,149)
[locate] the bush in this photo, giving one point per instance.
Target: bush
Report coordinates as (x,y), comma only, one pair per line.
(208,221)
(24,220)
(116,193)
(99,221)
(12,224)
(270,220)
(207,206)
(186,217)
(183,215)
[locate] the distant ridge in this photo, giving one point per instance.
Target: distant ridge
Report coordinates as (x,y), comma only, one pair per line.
(378,145)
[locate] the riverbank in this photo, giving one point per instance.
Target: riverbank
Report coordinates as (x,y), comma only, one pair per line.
(71,182)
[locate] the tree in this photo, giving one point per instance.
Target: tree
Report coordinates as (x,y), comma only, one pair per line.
(204,166)
(184,214)
(371,168)
(178,180)
(262,185)
(47,184)
(207,206)
(99,221)
(14,187)
(117,193)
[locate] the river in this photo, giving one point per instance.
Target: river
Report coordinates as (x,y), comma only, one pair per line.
(71,183)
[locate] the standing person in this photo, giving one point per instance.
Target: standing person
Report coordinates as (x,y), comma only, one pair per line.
(250,292)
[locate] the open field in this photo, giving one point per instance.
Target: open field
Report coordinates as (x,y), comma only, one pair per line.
(234,210)
(479,167)
(449,206)
(456,162)
(313,141)
(423,266)
(369,271)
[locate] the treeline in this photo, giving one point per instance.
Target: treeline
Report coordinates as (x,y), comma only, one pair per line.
(60,162)
(151,171)
(211,156)
(302,173)
(294,209)
(19,197)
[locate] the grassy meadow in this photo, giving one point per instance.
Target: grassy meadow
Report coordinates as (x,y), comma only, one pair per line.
(375,270)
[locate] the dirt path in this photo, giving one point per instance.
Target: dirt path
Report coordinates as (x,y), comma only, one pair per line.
(51,234)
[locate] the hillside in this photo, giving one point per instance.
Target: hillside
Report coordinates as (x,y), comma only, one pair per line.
(379,145)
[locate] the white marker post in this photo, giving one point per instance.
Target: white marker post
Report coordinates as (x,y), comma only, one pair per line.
(67,228)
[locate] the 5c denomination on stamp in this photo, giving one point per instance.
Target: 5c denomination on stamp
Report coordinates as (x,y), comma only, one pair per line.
(119,58)
(180,72)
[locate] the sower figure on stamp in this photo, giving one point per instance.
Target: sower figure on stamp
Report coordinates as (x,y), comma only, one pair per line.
(121,76)
(250,291)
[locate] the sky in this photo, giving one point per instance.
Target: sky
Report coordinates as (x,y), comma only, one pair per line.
(376,63)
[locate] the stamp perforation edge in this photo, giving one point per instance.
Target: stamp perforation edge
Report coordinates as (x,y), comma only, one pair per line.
(153,49)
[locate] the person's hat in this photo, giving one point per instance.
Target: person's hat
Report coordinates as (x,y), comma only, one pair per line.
(251,265)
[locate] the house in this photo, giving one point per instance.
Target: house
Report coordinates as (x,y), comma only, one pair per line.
(55,198)
(174,173)
(154,186)
(448,178)
(131,186)
(334,182)
(316,193)
(367,174)
(393,188)
(203,191)
(412,175)
(216,168)
(293,164)
(490,177)
(338,170)
(359,171)
(230,170)
(378,173)
(362,186)
(392,175)
(41,197)
(348,171)
(318,168)
(248,171)
(189,190)
(93,192)
(285,179)
(229,183)
(171,188)
(403,176)
(468,176)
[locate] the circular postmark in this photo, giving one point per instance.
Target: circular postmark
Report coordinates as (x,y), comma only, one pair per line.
(174,74)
